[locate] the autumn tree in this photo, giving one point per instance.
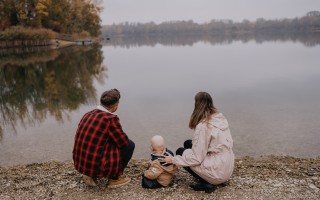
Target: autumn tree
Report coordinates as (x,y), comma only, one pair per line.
(41,10)
(62,16)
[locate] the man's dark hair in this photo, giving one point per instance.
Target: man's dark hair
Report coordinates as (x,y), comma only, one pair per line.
(110,97)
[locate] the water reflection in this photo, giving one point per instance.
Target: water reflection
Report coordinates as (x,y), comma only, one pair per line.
(39,84)
(1,133)
(307,39)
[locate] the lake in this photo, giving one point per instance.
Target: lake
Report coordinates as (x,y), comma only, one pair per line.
(268,91)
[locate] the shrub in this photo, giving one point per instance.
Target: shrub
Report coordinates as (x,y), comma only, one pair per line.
(20,33)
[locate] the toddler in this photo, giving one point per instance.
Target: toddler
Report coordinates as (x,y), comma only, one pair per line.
(158,174)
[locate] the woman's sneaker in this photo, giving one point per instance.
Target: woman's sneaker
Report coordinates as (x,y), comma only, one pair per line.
(114,183)
(90,181)
(207,187)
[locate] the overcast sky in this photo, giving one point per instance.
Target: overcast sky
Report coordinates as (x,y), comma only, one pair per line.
(116,11)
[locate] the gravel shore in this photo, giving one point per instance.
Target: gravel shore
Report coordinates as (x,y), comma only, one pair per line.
(266,177)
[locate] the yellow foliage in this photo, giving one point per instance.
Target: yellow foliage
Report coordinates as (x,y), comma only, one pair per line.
(42,7)
(21,13)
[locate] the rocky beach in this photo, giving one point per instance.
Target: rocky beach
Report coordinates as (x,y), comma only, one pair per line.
(265,177)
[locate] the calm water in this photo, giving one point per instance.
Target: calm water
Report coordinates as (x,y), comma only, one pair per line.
(268,91)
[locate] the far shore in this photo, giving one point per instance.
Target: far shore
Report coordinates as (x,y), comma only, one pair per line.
(65,42)
(265,177)
(54,43)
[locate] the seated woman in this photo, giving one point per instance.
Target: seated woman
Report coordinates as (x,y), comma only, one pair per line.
(209,156)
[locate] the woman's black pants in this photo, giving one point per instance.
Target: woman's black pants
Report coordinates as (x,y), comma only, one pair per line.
(188,145)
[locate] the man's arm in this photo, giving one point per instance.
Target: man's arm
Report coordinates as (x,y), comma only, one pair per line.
(117,134)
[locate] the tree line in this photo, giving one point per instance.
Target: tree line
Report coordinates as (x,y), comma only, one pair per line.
(61,16)
(308,23)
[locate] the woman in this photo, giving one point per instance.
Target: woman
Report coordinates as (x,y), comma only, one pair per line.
(209,156)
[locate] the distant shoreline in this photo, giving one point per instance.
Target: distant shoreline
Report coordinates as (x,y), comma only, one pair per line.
(310,22)
(30,37)
(54,43)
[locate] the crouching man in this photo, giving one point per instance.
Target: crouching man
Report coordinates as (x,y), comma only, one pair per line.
(101,148)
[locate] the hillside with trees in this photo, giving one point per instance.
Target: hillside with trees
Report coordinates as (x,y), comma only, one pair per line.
(20,18)
(304,29)
(308,23)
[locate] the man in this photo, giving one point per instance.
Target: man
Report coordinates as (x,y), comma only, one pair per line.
(101,148)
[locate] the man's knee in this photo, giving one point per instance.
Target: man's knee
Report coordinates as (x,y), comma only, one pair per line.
(131,145)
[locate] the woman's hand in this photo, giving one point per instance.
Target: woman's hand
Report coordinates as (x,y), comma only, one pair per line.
(167,158)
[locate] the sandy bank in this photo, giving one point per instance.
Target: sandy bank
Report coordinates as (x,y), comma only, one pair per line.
(268,177)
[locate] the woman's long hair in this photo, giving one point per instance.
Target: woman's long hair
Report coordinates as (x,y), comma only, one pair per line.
(203,109)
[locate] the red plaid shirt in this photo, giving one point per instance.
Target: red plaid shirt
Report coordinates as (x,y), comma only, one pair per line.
(97,144)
